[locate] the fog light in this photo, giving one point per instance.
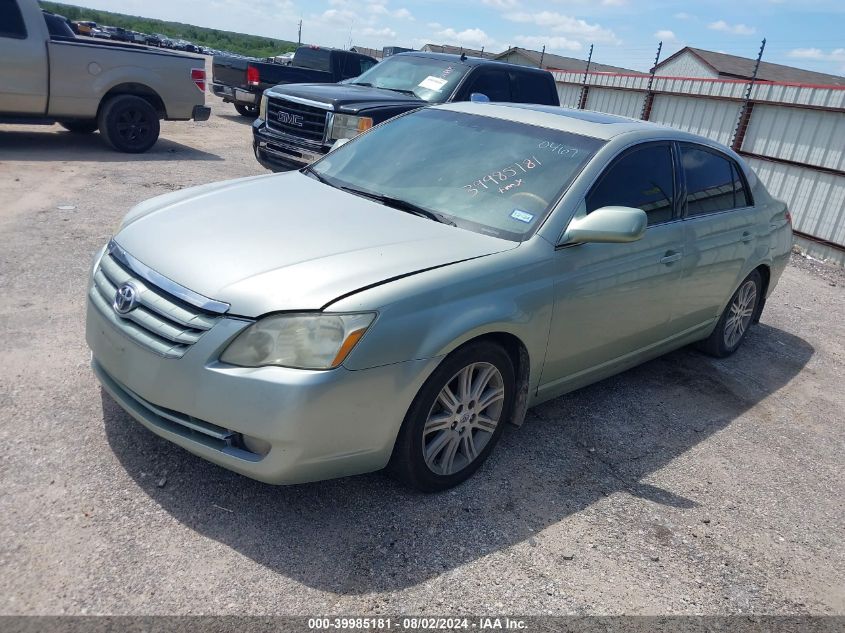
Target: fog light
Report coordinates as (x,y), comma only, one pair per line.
(254,445)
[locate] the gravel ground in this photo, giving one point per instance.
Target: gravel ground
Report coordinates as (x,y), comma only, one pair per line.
(687,485)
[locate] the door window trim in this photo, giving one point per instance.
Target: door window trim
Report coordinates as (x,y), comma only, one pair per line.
(16,36)
(682,176)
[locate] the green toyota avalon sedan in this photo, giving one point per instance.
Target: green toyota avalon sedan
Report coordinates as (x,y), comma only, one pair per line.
(395,304)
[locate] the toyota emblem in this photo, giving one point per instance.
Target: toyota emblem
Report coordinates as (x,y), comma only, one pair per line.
(125,299)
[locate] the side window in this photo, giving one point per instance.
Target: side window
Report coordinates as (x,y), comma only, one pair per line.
(366,64)
(713,183)
(643,179)
(493,83)
(11,20)
(531,88)
(743,197)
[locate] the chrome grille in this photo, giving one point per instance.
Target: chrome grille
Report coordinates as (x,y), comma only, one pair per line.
(159,322)
(313,119)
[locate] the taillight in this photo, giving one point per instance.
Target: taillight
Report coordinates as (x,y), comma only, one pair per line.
(198,76)
(253,78)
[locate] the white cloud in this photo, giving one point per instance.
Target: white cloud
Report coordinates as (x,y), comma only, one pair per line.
(403,14)
(502,4)
(565,24)
(683,15)
(734,29)
(665,35)
(471,38)
(553,43)
(383,32)
(836,55)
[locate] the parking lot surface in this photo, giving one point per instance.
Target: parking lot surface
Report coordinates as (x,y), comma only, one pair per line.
(687,485)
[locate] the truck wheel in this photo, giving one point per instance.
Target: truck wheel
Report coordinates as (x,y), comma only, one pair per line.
(81,126)
(129,124)
(247,110)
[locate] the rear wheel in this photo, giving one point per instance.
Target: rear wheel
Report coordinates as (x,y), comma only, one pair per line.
(81,126)
(456,419)
(247,110)
(736,319)
(129,124)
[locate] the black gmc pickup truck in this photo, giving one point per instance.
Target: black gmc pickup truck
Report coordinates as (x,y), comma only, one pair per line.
(298,124)
(241,81)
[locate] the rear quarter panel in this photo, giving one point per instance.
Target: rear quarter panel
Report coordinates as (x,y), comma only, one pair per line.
(82,73)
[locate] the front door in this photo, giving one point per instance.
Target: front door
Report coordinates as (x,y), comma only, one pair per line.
(23,62)
(612,300)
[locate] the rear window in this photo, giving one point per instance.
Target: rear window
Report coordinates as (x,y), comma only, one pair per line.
(713,182)
(532,88)
(11,20)
(313,58)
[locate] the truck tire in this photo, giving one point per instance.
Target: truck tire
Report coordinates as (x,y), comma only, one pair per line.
(81,126)
(129,124)
(247,110)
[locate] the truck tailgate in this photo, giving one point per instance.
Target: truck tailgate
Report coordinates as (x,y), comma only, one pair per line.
(230,71)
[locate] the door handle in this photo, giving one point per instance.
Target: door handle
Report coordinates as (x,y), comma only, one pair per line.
(746,237)
(671,256)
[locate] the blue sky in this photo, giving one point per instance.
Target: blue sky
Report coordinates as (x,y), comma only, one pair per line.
(803,33)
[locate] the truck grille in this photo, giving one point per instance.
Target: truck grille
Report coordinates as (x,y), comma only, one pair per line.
(159,322)
(295,119)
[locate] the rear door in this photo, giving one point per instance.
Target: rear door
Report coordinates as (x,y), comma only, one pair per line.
(612,300)
(492,82)
(720,232)
(23,59)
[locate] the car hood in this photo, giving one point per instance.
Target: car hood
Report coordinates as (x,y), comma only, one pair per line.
(347,97)
(287,242)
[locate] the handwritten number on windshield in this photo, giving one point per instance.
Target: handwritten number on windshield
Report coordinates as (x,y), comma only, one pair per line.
(499,176)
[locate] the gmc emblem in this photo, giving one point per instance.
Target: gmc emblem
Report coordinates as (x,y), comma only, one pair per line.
(290,119)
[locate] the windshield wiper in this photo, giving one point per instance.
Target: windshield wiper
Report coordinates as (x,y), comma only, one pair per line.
(401,205)
(308,169)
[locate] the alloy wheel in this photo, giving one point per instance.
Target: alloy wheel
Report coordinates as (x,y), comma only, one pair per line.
(740,313)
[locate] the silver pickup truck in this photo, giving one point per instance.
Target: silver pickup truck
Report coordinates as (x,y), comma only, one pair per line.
(84,85)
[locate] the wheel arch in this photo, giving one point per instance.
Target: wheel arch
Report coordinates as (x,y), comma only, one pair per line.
(766,277)
(137,90)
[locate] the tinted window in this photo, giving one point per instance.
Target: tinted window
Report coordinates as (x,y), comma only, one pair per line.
(532,88)
(493,83)
(313,58)
(713,183)
(11,20)
(366,64)
(643,179)
(57,25)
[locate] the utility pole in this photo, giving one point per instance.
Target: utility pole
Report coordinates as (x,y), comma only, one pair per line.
(542,55)
(299,37)
(747,105)
(582,102)
(649,95)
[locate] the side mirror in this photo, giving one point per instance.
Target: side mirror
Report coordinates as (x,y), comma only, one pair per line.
(479,97)
(608,224)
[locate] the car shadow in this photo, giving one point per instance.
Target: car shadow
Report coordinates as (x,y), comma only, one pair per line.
(237,118)
(367,533)
(52,146)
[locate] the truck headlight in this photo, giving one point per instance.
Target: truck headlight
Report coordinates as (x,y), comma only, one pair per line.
(262,108)
(302,341)
(349,126)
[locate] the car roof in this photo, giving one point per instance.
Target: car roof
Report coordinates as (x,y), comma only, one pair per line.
(469,61)
(585,122)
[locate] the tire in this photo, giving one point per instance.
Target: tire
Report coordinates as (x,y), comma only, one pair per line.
(451,435)
(247,110)
(129,124)
(731,330)
(81,126)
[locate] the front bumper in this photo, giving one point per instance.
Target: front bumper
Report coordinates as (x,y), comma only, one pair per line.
(318,424)
(278,153)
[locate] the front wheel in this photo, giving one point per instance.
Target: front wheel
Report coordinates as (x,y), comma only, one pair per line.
(247,110)
(736,319)
(129,124)
(456,419)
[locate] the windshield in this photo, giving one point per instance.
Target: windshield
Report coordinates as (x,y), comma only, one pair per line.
(487,175)
(432,80)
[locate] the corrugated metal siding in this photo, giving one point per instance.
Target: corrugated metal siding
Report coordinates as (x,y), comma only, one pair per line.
(708,117)
(569,94)
(813,137)
(623,102)
(687,65)
(816,199)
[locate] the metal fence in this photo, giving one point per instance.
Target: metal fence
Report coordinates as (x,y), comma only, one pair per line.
(793,136)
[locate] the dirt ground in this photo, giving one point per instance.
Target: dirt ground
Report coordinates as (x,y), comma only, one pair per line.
(687,485)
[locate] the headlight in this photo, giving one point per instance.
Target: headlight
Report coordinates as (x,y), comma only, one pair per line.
(349,126)
(303,341)
(262,108)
